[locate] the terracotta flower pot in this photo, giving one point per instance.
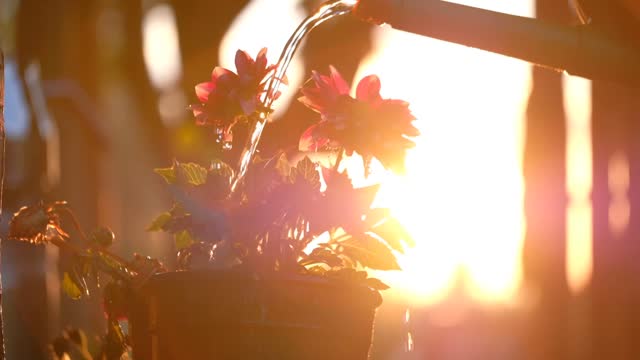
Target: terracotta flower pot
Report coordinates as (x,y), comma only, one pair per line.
(227,315)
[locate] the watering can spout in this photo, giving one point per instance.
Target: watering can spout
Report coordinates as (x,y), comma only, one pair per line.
(580,50)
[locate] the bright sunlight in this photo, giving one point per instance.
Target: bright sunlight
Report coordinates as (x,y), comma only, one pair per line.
(462,197)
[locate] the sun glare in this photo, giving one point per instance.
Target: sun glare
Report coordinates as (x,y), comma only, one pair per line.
(161,46)
(255,28)
(462,196)
(463,192)
(577,97)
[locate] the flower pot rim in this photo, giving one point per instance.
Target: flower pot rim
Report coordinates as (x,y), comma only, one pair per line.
(273,277)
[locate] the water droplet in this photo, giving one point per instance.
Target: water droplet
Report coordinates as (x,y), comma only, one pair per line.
(408,343)
(408,346)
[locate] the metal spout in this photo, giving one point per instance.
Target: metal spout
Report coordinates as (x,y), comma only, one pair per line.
(579,50)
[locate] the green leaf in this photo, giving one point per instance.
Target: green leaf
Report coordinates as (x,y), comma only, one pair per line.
(183,240)
(72,286)
(159,222)
(188,173)
(191,173)
(168,174)
(376,284)
(369,252)
(393,233)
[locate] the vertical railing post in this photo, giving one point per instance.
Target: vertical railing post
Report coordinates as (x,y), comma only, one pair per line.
(2,141)
(544,170)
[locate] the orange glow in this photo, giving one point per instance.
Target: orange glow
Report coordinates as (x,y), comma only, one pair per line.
(462,196)
(579,260)
(619,209)
(161,46)
(261,24)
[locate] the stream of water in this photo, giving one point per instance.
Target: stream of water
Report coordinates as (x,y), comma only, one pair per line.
(326,12)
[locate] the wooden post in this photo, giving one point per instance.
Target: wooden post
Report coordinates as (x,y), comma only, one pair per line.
(2,141)
(545,206)
(615,289)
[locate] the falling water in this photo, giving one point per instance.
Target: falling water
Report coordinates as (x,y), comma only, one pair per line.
(408,340)
(327,11)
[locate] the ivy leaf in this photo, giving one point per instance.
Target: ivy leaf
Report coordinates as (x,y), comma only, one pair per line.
(317,270)
(322,256)
(307,171)
(376,215)
(220,168)
(392,240)
(183,240)
(344,205)
(370,252)
(159,222)
(73,287)
(145,267)
(393,233)
(38,224)
(376,284)
(168,174)
(282,165)
(191,173)
(217,183)
(188,173)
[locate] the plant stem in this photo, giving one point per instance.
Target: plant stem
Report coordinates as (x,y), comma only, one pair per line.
(76,223)
(121,270)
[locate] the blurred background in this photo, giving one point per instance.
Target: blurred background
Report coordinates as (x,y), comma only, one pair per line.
(521,192)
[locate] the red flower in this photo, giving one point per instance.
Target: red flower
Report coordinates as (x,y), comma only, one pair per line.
(229,97)
(368,124)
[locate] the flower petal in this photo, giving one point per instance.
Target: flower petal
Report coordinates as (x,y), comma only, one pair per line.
(244,63)
(261,60)
(311,139)
(219,72)
(204,89)
(369,89)
(338,81)
(314,99)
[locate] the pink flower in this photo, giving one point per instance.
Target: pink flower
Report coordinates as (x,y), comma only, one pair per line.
(230,97)
(368,124)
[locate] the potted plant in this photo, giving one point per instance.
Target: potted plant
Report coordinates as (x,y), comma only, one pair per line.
(270,265)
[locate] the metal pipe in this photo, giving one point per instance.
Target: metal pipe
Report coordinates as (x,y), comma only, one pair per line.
(579,50)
